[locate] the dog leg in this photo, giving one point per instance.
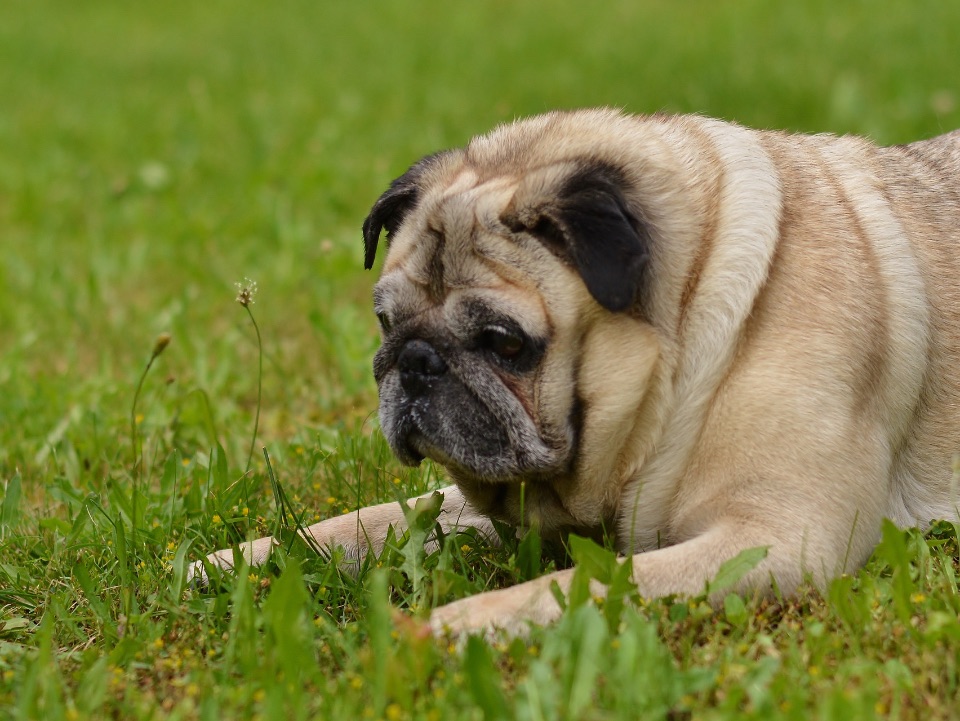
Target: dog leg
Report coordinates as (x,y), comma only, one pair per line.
(683,569)
(357,533)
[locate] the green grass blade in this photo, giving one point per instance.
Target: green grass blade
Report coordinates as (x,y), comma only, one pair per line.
(483,680)
(10,508)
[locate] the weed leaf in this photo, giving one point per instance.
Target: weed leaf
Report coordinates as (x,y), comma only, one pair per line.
(96,604)
(484,680)
(529,555)
(894,550)
(733,570)
(380,627)
(285,619)
(735,609)
(179,564)
(588,636)
(421,520)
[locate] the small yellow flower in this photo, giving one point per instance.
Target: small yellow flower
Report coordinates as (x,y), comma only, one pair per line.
(158,643)
(171,546)
(465,548)
(356,682)
(396,481)
(185,461)
(259,695)
(216,519)
(918,598)
(394,712)
(331,500)
(245,511)
(139,418)
(299,450)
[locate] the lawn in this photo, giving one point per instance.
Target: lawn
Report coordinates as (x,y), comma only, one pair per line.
(153,155)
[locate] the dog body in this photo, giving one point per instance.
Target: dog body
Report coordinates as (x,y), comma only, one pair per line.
(697,337)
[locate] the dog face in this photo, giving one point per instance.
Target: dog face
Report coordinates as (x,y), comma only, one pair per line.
(500,273)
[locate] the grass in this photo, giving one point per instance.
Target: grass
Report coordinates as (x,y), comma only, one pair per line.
(155,154)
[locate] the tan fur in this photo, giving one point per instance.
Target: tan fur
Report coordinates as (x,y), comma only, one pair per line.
(789,377)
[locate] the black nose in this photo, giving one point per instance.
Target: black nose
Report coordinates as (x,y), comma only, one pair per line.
(419,365)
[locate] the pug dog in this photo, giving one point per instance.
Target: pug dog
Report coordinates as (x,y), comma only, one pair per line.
(695,337)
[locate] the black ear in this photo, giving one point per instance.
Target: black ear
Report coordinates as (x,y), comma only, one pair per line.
(588,223)
(392,207)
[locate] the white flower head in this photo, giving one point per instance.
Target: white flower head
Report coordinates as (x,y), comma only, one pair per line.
(246,291)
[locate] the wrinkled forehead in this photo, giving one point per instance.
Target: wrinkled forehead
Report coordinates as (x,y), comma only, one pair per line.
(461,310)
(454,256)
(440,240)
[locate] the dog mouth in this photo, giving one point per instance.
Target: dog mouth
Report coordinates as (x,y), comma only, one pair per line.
(412,445)
(409,449)
(492,440)
(415,446)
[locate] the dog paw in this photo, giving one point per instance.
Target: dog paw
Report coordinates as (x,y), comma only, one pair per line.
(508,612)
(197,575)
(252,553)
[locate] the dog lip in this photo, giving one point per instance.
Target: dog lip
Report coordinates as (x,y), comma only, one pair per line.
(409,450)
(417,446)
(412,444)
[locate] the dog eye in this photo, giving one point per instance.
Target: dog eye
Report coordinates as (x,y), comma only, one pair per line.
(384,319)
(501,341)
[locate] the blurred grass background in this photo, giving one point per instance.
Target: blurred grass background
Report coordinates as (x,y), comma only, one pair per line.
(153,154)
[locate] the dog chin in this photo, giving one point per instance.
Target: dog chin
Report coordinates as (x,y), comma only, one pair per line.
(466,460)
(408,444)
(412,447)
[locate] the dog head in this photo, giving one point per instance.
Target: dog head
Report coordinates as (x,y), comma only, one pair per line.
(514,267)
